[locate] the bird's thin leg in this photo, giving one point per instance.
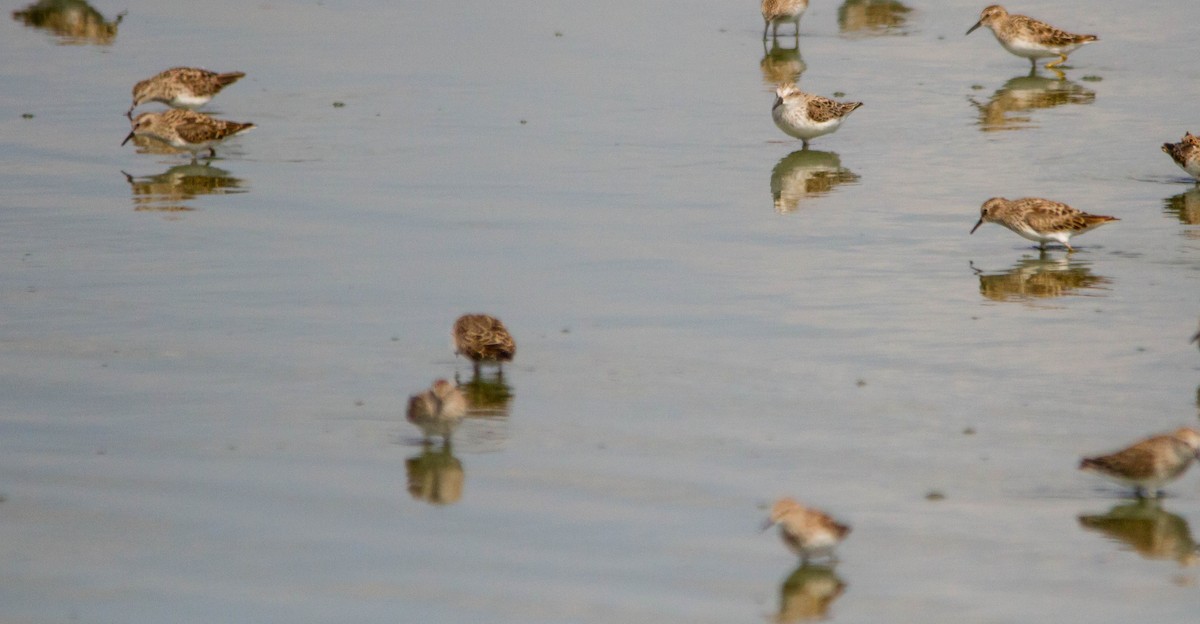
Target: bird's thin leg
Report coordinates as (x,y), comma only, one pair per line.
(766,26)
(804,145)
(1062,58)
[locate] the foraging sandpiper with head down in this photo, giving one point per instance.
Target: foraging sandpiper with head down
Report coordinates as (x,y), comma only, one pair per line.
(483,339)
(438,410)
(806,116)
(185,129)
(807,532)
(1030,38)
(1149,464)
(1039,220)
(181,87)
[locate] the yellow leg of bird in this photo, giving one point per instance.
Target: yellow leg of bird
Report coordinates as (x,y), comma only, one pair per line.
(1062,58)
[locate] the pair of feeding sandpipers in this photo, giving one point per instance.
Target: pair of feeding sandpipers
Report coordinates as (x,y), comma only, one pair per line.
(183,89)
(481,338)
(806,116)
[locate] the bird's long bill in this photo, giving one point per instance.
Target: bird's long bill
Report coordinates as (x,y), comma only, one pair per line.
(127,138)
(977,25)
(766,525)
(977,224)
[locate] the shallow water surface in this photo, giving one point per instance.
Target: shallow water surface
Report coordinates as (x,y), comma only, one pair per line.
(205,366)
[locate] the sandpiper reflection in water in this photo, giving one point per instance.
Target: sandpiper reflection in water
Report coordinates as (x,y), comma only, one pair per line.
(435,476)
(1149,530)
(74,22)
(806,173)
(807,593)
(1009,106)
(1044,276)
(872,17)
(1185,207)
(487,395)
(781,64)
(170,190)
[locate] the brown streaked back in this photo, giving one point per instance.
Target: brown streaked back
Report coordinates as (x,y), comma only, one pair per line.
(481,337)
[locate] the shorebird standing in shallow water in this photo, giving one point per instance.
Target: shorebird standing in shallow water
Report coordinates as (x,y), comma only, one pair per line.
(807,116)
(181,87)
(776,11)
(1039,220)
(1150,463)
(807,532)
(1186,154)
(438,410)
(185,129)
(482,338)
(1030,38)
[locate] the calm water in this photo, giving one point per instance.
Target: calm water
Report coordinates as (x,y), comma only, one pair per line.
(205,368)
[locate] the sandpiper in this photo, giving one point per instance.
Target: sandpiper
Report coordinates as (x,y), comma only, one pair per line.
(438,410)
(807,116)
(185,129)
(182,87)
(776,11)
(482,338)
(807,532)
(1030,38)
(1149,464)
(1186,154)
(1039,220)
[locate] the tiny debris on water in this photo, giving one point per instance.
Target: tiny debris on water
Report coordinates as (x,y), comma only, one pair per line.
(977,87)
(1091,78)
(860,383)
(935,495)
(969,431)
(339,104)
(26,115)
(839,94)
(523,122)
(359,403)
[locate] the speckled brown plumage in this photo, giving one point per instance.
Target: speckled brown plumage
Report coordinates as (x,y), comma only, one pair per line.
(1039,220)
(483,338)
(185,129)
(1186,154)
(1029,38)
(182,87)
(1150,463)
(823,109)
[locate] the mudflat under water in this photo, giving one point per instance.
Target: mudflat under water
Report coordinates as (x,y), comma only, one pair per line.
(203,368)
